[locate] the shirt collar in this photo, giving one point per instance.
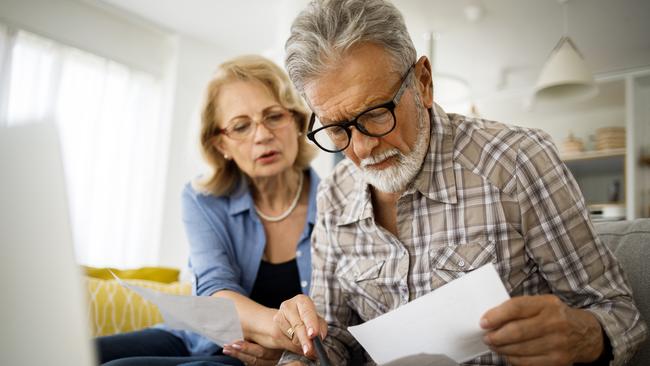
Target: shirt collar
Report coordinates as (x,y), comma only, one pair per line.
(360,206)
(241,199)
(436,179)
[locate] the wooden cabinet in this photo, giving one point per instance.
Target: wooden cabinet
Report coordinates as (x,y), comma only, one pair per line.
(598,173)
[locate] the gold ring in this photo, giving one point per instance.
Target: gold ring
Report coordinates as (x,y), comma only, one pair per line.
(290,333)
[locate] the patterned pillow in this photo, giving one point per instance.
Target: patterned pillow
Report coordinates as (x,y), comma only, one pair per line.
(115,309)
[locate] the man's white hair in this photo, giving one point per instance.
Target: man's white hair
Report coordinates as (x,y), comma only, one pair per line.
(326,29)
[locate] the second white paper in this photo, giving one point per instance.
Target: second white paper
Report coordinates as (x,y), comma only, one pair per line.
(445,321)
(212,317)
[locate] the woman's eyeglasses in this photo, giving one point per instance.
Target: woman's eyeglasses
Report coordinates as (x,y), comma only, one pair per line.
(242,128)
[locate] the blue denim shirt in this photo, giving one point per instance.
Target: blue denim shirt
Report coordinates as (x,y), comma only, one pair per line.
(227,242)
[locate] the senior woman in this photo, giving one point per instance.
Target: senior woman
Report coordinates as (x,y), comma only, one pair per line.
(248,223)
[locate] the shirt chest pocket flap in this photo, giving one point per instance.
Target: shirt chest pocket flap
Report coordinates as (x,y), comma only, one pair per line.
(360,270)
(362,283)
(463,257)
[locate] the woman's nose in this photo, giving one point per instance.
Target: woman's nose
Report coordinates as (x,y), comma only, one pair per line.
(261,133)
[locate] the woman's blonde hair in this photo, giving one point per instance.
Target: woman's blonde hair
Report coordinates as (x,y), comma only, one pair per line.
(225,173)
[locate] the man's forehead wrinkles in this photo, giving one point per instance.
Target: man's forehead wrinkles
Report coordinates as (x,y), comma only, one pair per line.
(378,94)
(344,116)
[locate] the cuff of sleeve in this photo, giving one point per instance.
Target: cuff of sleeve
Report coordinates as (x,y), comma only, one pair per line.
(291,357)
(611,345)
(209,291)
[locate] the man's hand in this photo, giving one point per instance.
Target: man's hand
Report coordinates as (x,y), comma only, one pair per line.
(542,330)
(298,320)
(252,354)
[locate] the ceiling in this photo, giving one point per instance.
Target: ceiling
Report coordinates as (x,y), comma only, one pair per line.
(503,50)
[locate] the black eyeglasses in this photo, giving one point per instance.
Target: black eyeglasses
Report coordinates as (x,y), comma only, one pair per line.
(376,121)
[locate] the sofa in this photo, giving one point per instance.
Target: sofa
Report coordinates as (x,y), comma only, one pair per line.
(630,243)
(114,309)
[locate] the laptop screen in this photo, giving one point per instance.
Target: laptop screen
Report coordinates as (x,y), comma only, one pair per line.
(43,317)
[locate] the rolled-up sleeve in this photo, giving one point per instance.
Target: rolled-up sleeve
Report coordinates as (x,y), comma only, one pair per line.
(211,249)
(560,238)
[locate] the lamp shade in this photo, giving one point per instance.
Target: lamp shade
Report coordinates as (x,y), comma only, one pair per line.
(565,77)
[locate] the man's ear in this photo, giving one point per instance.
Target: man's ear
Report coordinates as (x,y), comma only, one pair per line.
(424,81)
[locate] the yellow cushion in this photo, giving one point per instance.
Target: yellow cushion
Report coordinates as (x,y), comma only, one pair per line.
(158,274)
(115,309)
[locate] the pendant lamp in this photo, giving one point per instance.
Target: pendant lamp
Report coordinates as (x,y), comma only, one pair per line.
(565,76)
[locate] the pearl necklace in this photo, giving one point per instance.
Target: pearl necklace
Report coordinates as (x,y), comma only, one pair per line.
(286,213)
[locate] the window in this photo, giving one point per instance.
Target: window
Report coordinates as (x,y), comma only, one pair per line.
(112,136)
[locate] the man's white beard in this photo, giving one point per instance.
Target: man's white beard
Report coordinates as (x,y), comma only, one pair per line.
(396,177)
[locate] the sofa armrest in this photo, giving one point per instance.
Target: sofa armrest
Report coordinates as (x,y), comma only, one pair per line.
(630,242)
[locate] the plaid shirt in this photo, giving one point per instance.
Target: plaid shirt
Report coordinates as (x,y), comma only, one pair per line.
(487,192)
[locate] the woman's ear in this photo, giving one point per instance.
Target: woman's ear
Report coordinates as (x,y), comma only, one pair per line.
(220,146)
(424,81)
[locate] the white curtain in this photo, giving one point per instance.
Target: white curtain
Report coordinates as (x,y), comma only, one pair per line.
(112,139)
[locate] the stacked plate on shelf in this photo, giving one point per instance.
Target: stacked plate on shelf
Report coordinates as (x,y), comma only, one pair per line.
(572,145)
(610,138)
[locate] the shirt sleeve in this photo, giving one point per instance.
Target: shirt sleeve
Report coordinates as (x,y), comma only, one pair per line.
(211,251)
(561,240)
(329,298)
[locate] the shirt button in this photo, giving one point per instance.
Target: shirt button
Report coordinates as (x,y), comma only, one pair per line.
(303,284)
(461,263)
(298,253)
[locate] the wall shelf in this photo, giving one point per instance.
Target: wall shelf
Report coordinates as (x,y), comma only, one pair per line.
(594,154)
(596,162)
(600,174)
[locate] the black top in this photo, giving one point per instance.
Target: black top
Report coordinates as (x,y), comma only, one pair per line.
(276,283)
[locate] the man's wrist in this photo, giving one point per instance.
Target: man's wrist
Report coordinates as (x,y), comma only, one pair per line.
(593,340)
(606,355)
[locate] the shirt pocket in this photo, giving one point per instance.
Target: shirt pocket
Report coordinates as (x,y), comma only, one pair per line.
(453,261)
(361,282)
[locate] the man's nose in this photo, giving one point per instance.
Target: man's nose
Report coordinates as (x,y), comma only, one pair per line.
(363,144)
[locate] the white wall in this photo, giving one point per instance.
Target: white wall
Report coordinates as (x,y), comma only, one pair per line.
(640,119)
(607,109)
(195,64)
(96,30)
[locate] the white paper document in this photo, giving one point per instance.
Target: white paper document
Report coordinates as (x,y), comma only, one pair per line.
(212,317)
(443,322)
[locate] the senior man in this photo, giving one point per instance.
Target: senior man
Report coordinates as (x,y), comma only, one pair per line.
(425,197)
